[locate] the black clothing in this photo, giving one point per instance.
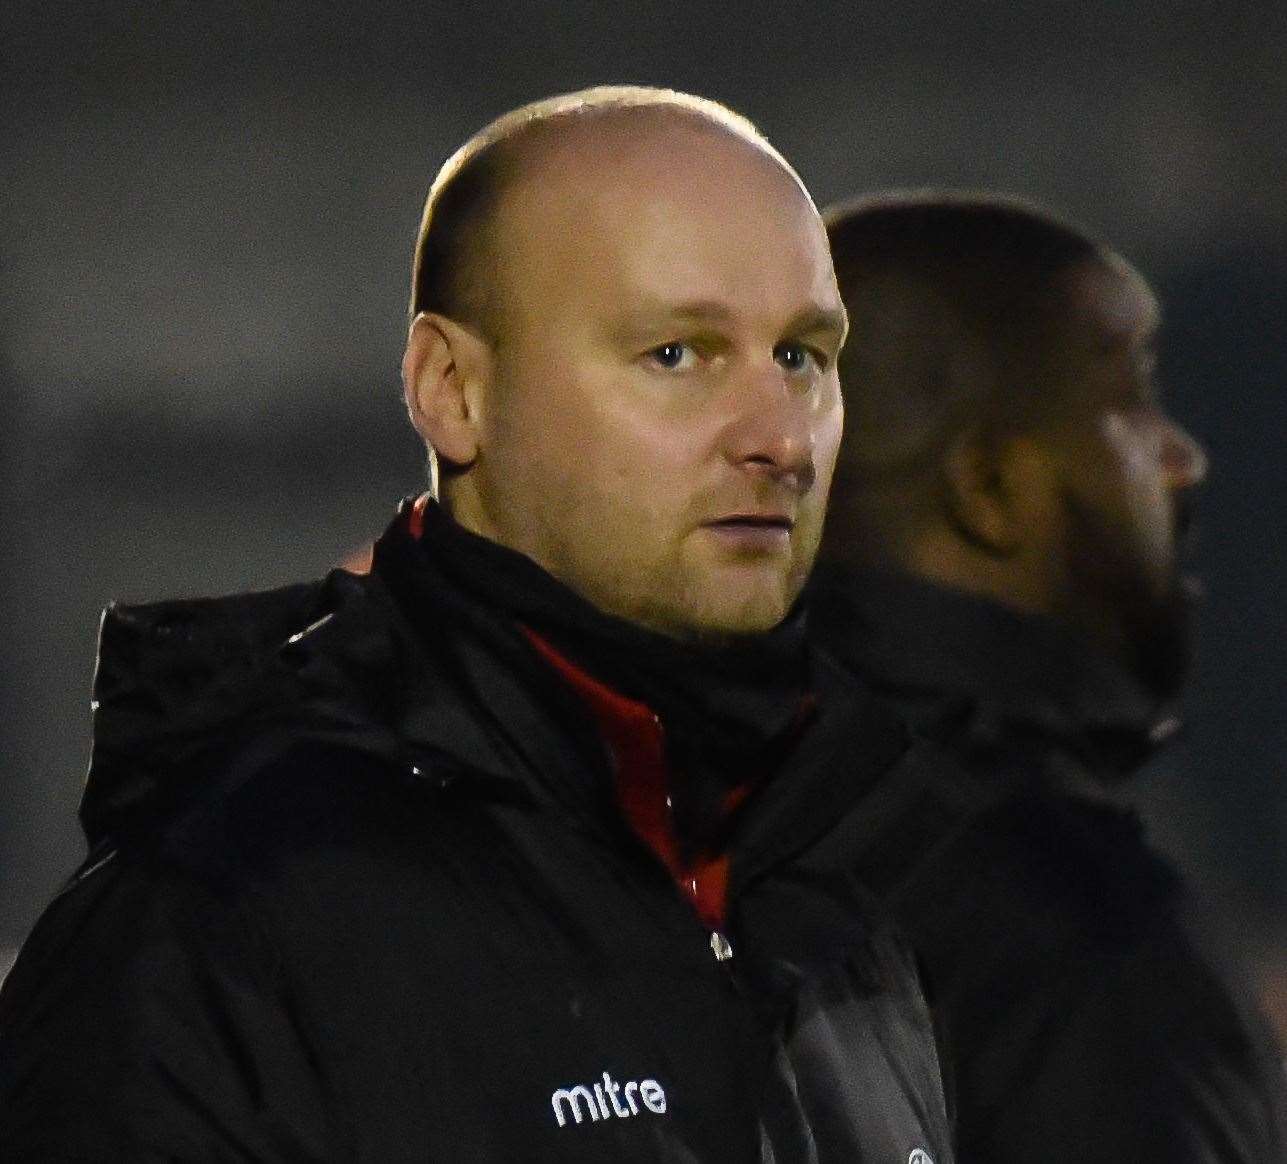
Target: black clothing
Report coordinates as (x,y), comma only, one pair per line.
(737,698)
(729,713)
(1087,1015)
(359,891)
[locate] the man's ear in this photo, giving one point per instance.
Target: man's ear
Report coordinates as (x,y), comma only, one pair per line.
(445,369)
(996,490)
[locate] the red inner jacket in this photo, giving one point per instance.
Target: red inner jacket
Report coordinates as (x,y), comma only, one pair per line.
(636,741)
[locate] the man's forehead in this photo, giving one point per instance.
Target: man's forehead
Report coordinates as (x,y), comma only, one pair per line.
(580,142)
(1114,302)
(682,213)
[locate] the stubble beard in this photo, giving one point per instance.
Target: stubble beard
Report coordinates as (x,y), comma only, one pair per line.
(1147,621)
(695,608)
(690,599)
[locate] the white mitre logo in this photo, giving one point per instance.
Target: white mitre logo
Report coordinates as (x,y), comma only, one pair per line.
(602,1101)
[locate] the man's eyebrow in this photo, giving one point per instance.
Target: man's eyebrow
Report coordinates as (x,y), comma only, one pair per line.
(655,315)
(1145,342)
(695,310)
(816,319)
(811,320)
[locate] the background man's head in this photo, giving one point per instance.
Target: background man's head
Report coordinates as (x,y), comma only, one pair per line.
(1004,434)
(623,342)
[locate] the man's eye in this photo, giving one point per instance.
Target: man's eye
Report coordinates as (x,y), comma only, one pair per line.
(1144,396)
(674,356)
(798,357)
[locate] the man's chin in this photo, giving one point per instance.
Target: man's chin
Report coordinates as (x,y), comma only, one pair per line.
(718,612)
(1165,639)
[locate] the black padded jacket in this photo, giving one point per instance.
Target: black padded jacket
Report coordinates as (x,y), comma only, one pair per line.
(1092,1013)
(357,892)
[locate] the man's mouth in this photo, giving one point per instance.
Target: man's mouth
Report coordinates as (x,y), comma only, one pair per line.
(1185,533)
(780,520)
(753,531)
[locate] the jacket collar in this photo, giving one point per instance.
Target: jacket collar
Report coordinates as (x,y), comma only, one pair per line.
(192,697)
(943,655)
(847,741)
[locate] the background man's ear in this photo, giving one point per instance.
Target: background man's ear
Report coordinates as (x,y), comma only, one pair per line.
(995,490)
(444,371)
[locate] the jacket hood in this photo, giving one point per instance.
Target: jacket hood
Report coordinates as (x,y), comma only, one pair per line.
(182,685)
(406,665)
(951,660)
(193,697)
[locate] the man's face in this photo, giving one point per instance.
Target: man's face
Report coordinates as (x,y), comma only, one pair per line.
(664,413)
(1127,470)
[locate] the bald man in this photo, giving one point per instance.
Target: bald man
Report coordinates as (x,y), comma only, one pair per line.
(1004,565)
(532,843)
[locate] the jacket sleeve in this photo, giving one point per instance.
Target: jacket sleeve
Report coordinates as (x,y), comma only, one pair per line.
(143,1021)
(1146,1069)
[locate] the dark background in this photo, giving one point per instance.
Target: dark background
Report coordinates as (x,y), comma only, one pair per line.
(205,226)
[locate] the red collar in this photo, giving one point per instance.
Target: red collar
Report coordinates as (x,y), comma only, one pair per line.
(636,742)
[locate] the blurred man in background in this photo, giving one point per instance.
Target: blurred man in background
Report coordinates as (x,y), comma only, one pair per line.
(1003,563)
(530,843)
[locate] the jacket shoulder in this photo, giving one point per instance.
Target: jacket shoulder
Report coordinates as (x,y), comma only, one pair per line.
(1085,1018)
(186,692)
(138,991)
(1146,1055)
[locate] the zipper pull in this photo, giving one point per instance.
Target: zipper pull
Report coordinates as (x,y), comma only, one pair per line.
(721,947)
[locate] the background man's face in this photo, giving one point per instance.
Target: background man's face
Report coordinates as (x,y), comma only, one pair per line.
(1127,469)
(665,412)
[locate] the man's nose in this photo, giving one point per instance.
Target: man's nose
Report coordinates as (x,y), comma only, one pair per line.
(1184,460)
(773,429)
